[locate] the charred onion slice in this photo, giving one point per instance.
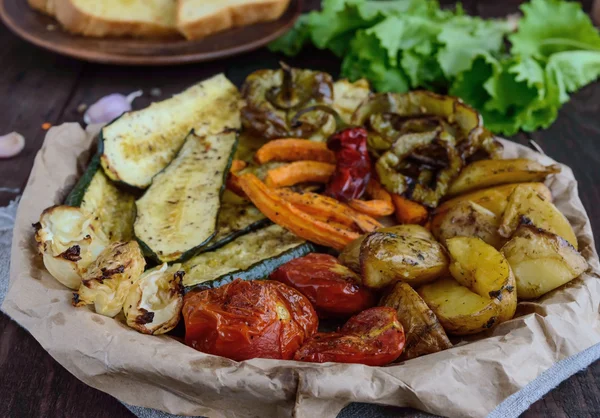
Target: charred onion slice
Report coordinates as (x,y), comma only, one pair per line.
(274,96)
(69,239)
(106,282)
(153,304)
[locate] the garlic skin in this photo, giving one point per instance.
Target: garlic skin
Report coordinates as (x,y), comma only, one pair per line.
(110,107)
(11,144)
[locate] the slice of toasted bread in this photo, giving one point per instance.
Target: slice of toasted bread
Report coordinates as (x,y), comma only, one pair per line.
(139,18)
(44,6)
(199,18)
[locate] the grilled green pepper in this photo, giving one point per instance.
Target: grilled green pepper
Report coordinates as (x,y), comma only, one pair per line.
(420,166)
(273,97)
(389,116)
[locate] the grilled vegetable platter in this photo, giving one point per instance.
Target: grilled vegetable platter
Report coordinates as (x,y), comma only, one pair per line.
(309,219)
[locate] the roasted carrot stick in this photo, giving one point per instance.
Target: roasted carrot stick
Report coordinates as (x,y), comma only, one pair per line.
(325,207)
(232,178)
(299,172)
(237,165)
(380,205)
(293,219)
(294,150)
(409,212)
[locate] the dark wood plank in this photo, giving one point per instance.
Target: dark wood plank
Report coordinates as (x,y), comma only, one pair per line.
(35,86)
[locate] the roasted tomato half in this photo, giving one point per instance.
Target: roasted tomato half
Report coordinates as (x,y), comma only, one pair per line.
(333,289)
(244,320)
(373,337)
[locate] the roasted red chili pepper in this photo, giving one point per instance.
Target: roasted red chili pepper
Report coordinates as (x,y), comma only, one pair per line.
(353,163)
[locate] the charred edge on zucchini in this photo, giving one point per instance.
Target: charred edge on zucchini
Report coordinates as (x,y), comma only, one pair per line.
(258,271)
(76,195)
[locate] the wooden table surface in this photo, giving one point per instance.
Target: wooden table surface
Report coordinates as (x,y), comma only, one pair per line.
(38,87)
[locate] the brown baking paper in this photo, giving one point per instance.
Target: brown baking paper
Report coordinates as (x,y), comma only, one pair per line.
(469,380)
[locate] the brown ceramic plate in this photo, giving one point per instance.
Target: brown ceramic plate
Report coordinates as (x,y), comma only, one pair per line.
(34,27)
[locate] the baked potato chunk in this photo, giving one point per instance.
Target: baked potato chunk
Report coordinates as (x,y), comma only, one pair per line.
(424,333)
(153,304)
(460,311)
(527,206)
(541,261)
(106,282)
(487,173)
(468,219)
(386,257)
(484,270)
(350,254)
(494,199)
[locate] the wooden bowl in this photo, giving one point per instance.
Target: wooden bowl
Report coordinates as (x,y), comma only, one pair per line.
(46,33)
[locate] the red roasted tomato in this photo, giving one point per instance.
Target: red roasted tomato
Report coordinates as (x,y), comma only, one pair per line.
(374,337)
(244,320)
(333,289)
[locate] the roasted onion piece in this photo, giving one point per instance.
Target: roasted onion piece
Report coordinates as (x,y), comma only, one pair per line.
(106,282)
(273,97)
(153,304)
(69,239)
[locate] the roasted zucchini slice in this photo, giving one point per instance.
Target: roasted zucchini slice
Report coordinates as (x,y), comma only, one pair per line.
(140,144)
(96,194)
(249,257)
(178,214)
(237,217)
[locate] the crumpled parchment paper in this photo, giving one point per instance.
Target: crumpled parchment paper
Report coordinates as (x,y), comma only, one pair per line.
(469,380)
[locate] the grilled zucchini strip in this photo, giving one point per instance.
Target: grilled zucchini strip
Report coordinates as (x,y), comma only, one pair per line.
(237,217)
(178,214)
(113,208)
(140,144)
(249,257)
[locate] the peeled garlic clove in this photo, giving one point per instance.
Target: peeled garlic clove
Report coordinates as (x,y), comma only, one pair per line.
(110,107)
(11,144)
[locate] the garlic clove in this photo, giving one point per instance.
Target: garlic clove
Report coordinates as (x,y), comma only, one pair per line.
(11,144)
(110,107)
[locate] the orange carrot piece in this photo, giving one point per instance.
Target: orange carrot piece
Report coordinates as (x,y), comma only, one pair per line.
(326,207)
(409,212)
(374,208)
(237,165)
(294,150)
(376,191)
(380,205)
(299,172)
(293,219)
(233,184)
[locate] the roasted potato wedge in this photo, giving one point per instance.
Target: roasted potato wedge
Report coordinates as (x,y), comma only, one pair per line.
(424,333)
(350,255)
(468,219)
(481,268)
(541,261)
(487,173)
(387,257)
(494,199)
(460,311)
(527,206)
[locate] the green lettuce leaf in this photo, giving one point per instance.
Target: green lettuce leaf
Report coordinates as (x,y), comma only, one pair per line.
(465,38)
(573,70)
(368,59)
(552,26)
(292,42)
